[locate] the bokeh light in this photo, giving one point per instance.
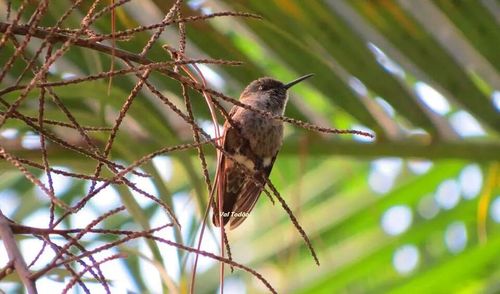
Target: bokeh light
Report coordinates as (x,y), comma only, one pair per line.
(31,141)
(383,173)
(432,98)
(471,181)
(419,166)
(406,259)
(385,106)
(466,125)
(386,62)
(456,237)
(397,219)
(495,96)
(358,86)
(448,194)
(495,209)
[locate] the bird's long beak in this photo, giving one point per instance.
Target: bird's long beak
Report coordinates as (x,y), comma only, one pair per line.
(296,81)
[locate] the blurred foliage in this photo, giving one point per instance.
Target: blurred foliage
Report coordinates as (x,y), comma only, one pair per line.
(431,176)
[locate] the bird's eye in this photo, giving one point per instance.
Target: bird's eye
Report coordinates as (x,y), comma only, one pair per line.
(261,88)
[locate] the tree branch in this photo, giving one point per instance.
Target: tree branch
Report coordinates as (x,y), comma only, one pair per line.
(485,151)
(15,255)
(468,150)
(57,37)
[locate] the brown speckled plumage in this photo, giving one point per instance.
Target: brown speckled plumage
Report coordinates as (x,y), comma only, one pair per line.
(254,143)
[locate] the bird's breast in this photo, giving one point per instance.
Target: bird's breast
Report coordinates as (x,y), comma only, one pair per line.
(265,135)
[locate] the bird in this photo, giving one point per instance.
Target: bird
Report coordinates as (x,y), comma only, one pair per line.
(252,140)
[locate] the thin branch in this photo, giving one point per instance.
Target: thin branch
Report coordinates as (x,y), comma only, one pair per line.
(15,255)
(88,268)
(293,219)
(4,154)
(63,124)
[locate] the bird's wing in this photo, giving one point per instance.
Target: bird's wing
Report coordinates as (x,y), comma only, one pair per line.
(235,185)
(249,194)
(229,176)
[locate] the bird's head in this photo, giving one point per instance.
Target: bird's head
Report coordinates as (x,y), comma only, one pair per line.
(270,89)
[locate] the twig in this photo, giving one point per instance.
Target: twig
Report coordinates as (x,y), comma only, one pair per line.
(33,179)
(88,268)
(293,219)
(15,255)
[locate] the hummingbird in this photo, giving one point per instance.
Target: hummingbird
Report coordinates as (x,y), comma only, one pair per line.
(253,141)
